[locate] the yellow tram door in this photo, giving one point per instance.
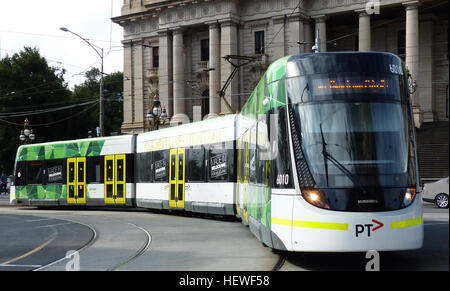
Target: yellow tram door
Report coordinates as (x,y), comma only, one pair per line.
(120,180)
(109,179)
(71,180)
(115,179)
(76,180)
(177,177)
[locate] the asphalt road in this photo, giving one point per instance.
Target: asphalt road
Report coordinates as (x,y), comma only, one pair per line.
(121,239)
(29,242)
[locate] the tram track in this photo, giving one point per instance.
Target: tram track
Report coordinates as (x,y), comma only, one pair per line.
(138,253)
(85,246)
(280,263)
(96,230)
(120,241)
(97,237)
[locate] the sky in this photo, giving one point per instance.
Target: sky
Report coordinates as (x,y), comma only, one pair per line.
(36,23)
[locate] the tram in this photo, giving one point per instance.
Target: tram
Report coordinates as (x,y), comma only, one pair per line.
(322,158)
(94,172)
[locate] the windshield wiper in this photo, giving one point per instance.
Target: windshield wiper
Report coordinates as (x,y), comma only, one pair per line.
(328,157)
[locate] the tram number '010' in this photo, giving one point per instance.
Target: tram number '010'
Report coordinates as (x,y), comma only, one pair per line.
(282,179)
(396,69)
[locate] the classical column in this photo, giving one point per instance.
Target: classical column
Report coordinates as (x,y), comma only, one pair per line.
(412,52)
(228,46)
(296,35)
(214,65)
(309,35)
(364,37)
(321,28)
(279,42)
(138,79)
(127,88)
(426,70)
(165,71)
(178,77)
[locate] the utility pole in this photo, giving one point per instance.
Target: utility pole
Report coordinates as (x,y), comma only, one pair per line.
(316,46)
(102,113)
(100,54)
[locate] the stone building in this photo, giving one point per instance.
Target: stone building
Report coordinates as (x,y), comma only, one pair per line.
(175,48)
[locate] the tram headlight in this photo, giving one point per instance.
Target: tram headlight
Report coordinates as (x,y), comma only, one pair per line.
(409,196)
(316,198)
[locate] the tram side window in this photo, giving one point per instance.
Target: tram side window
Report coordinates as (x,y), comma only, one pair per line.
(242,162)
(280,173)
(221,162)
(143,167)
(55,171)
(262,153)
(252,157)
(20,175)
(35,172)
(196,164)
(94,169)
(129,168)
(160,166)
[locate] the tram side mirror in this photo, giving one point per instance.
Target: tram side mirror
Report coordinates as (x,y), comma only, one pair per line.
(265,102)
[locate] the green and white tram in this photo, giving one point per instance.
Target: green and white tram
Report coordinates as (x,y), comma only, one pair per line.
(327,158)
(322,157)
(91,172)
(190,167)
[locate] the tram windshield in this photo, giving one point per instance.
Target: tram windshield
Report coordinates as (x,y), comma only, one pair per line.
(354,130)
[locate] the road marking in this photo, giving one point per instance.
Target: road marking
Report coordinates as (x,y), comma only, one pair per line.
(56,224)
(40,219)
(90,243)
(25,266)
(35,250)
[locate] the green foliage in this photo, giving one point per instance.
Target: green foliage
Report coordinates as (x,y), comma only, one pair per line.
(29,84)
(112,94)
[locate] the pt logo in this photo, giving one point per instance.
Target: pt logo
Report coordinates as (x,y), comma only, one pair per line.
(361,229)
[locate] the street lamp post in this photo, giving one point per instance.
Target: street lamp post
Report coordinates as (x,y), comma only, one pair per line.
(99,52)
(26,135)
(156,115)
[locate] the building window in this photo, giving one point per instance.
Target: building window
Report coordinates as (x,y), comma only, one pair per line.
(155,57)
(204,47)
(401,44)
(259,42)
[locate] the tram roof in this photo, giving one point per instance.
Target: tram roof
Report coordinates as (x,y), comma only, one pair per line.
(219,129)
(75,148)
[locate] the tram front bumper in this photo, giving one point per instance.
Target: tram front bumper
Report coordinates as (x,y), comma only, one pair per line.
(318,230)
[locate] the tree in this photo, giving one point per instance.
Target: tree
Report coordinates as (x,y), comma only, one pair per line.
(28,84)
(113,104)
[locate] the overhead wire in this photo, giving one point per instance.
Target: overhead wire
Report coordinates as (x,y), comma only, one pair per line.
(43,111)
(53,122)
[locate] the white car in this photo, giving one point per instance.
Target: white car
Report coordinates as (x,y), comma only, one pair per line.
(436,192)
